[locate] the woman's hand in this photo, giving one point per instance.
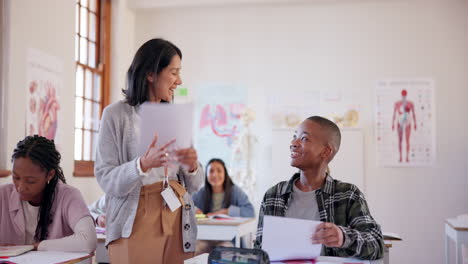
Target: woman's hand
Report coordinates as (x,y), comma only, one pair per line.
(222,211)
(198,211)
(188,157)
(155,157)
(101,220)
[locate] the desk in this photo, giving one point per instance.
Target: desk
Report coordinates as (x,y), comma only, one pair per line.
(226,230)
(203,259)
(48,257)
(208,229)
(457,230)
(101,250)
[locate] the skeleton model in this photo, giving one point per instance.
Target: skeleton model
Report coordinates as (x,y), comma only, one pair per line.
(242,163)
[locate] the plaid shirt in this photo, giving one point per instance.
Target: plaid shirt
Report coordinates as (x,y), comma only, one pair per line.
(339,203)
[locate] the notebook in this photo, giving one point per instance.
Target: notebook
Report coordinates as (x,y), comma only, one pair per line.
(10,251)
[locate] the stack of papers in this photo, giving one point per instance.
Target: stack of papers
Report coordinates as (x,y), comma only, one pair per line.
(9,251)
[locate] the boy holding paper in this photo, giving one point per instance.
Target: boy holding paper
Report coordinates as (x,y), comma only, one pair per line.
(348,229)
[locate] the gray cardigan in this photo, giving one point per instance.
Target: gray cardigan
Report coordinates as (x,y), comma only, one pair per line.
(117,174)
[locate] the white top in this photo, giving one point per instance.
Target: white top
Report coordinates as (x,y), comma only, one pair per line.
(83,239)
(30,220)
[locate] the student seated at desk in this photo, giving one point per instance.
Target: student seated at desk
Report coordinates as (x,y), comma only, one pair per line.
(98,211)
(39,208)
(348,229)
(220,196)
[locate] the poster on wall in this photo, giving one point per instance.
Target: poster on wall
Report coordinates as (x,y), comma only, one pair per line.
(404,123)
(343,109)
(218,120)
(44,81)
(288,110)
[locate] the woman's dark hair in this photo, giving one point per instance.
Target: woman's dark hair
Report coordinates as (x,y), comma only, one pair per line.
(227,186)
(151,57)
(42,152)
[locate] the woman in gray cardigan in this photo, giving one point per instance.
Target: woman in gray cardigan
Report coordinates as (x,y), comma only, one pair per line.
(140,228)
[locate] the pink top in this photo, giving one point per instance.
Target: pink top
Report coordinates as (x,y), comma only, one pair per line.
(69,208)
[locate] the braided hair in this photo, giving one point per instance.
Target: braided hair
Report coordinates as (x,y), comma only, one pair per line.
(42,152)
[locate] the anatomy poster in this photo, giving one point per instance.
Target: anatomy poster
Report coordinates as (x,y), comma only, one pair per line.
(404,123)
(44,81)
(218,112)
(288,110)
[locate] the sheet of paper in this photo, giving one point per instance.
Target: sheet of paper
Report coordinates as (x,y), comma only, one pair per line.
(289,238)
(46,257)
(169,121)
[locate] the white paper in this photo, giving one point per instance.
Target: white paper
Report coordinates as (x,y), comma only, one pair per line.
(169,121)
(289,238)
(171,199)
(200,259)
(46,257)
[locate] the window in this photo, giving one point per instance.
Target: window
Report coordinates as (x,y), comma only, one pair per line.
(92,56)
(4,37)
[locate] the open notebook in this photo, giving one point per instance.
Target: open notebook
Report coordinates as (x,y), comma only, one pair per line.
(10,251)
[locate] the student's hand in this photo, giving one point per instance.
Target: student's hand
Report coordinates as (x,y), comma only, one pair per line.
(188,157)
(328,234)
(222,211)
(36,245)
(155,157)
(101,220)
(198,211)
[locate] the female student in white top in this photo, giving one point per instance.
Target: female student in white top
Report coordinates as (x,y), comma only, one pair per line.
(39,208)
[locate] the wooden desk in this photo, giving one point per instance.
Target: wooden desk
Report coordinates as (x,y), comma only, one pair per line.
(226,230)
(457,230)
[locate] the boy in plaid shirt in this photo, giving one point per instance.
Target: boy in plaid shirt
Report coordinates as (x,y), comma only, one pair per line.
(348,229)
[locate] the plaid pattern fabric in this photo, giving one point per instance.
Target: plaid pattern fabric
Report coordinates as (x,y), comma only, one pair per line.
(339,203)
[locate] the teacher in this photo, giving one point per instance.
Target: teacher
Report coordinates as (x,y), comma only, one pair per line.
(140,226)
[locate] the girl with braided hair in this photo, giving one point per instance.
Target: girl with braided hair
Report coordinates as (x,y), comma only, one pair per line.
(39,208)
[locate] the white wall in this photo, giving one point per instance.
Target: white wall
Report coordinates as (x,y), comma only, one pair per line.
(48,26)
(345,46)
(123,46)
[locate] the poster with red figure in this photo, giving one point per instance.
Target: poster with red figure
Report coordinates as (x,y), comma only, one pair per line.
(218,120)
(44,81)
(404,123)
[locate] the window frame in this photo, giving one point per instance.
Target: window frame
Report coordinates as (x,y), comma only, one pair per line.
(85,168)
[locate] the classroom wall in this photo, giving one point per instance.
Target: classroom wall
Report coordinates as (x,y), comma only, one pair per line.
(49,26)
(344,46)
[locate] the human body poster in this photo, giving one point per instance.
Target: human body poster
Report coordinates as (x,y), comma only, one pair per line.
(404,123)
(218,125)
(44,81)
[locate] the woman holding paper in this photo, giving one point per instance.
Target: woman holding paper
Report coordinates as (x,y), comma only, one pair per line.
(142,225)
(39,208)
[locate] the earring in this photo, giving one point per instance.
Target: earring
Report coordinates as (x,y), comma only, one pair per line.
(48,181)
